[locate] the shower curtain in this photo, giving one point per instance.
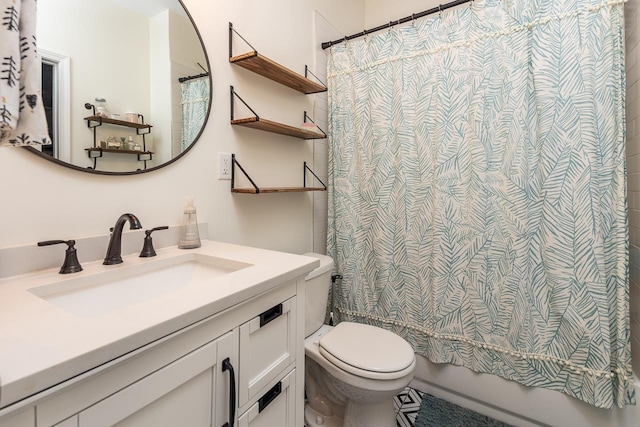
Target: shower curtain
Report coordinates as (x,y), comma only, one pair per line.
(22,116)
(195,103)
(477,198)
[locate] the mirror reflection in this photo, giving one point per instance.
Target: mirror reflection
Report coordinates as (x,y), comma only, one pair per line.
(126,81)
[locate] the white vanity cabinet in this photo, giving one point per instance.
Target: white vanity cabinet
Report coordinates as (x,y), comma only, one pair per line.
(184,378)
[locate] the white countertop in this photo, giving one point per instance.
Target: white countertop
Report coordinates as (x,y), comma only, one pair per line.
(42,345)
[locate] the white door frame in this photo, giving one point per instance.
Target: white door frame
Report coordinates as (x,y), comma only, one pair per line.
(61,101)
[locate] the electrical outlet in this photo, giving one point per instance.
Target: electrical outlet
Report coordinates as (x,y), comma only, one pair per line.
(224,165)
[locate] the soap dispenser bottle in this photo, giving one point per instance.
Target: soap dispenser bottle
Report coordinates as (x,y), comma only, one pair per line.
(190,235)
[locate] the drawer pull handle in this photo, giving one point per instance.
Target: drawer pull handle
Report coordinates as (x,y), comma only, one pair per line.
(269,396)
(271,314)
(227,366)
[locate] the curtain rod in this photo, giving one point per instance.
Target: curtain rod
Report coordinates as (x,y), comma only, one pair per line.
(197,76)
(413,16)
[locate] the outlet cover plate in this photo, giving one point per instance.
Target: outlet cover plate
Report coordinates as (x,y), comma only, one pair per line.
(224,165)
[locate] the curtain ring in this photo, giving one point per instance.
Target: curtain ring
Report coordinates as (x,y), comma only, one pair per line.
(413,19)
(365,34)
(439,11)
(390,25)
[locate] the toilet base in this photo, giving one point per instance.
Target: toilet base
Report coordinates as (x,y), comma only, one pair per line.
(379,414)
(314,419)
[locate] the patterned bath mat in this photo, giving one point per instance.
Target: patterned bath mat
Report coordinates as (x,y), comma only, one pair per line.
(436,412)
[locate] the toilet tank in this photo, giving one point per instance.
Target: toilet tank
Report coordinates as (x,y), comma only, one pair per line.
(318,284)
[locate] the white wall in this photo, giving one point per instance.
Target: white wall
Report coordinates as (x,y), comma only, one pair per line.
(160,105)
(380,12)
(42,201)
(94,34)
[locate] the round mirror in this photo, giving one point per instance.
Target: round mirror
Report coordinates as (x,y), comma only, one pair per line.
(126,84)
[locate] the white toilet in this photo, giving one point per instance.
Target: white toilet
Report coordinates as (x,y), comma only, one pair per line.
(353,371)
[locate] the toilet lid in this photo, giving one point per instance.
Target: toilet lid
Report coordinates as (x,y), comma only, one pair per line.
(367,351)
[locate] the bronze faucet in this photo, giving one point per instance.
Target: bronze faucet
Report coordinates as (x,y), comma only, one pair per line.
(114,251)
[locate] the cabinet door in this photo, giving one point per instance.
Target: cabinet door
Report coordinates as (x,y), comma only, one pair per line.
(69,422)
(276,407)
(267,348)
(24,418)
(181,393)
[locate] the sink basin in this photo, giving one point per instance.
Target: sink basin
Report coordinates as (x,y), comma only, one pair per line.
(101,293)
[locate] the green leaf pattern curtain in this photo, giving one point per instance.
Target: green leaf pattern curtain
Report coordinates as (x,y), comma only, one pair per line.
(477,198)
(195,103)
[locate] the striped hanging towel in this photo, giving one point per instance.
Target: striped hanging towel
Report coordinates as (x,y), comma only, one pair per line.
(22,116)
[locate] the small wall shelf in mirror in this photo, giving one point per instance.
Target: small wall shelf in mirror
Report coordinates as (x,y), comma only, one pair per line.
(106,120)
(257,122)
(257,190)
(96,151)
(260,64)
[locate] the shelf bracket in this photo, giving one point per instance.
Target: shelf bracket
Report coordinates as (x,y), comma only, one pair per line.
(234,94)
(140,159)
(307,71)
(144,140)
(306,117)
(141,120)
(231,31)
(92,107)
(235,163)
(304,176)
(94,158)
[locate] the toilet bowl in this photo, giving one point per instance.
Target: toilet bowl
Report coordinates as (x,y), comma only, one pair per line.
(353,370)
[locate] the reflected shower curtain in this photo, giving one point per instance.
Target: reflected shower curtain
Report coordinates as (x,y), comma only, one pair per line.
(477,199)
(195,102)
(22,116)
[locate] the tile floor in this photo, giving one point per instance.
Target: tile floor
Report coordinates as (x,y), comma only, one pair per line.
(406,405)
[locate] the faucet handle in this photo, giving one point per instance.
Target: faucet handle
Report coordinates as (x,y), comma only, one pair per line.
(147,248)
(71,263)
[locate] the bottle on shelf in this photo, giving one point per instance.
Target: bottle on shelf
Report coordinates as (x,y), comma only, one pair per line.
(102,109)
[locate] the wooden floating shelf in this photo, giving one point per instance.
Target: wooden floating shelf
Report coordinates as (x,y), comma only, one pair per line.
(274,127)
(276,190)
(117,122)
(264,66)
(258,190)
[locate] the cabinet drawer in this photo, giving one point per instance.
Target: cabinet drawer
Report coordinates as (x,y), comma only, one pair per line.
(276,407)
(266,349)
